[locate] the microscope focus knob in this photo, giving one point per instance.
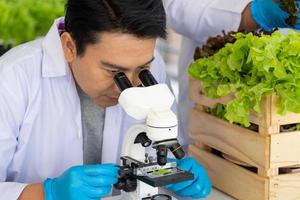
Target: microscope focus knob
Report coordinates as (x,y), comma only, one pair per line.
(143,139)
(130,184)
(126,182)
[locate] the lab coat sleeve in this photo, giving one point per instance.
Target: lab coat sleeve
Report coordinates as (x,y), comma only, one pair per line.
(199,19)
(12,110)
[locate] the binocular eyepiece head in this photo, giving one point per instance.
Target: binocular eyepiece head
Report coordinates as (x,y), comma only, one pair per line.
(123,82)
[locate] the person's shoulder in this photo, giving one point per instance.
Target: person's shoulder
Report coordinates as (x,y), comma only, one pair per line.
(26,57)
(29,52)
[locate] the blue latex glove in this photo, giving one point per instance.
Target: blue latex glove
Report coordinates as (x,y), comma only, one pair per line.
(268,15)
(82,183)
(200,187)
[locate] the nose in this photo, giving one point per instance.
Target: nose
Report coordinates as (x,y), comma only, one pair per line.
(121,82)
(133,78)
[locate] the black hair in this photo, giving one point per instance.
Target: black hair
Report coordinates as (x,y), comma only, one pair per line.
(85,19)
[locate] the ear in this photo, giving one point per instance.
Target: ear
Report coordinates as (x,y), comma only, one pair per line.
(69,46)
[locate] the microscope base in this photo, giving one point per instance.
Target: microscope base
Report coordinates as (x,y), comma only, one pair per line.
(141,195)
(120,197)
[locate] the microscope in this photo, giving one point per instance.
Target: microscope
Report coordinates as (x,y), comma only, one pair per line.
(140,175)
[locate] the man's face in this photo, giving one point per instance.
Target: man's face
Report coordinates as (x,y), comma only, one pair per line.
(115,52)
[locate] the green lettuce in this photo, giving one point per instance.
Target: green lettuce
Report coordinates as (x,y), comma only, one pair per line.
(252,68)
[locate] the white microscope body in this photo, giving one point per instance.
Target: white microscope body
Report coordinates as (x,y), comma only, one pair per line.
(151,103)
(154,104)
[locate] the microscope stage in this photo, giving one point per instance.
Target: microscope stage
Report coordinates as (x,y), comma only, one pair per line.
(166,176)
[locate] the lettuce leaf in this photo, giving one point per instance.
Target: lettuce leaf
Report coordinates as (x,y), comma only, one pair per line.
(252,68)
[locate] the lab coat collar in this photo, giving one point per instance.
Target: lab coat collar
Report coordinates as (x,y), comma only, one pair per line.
(54,62)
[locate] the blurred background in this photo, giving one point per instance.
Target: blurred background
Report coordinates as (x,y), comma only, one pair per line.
(25,20)
(169,49)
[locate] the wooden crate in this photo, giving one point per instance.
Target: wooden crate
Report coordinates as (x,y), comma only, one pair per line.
(271,154)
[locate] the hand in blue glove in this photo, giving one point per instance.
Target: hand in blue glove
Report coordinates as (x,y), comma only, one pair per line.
(268,14)
(200,187)
(82,183)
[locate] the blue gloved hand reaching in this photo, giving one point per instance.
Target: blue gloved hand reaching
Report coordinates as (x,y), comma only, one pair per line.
(200,187)
(87,182)
(269,14)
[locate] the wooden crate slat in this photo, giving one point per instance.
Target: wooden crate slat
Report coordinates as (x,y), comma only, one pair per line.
(234,180)
(234,140)
(288,118)
(285,149)
(285,187)
(272,129)
(270,172)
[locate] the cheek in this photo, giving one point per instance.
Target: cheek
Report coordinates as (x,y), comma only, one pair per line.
(108,87)
(112,85)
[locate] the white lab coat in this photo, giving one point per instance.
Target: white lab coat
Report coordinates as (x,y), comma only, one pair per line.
(40,117)
(197,20)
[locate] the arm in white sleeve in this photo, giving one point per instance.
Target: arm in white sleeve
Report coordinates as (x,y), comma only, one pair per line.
(12,110)
(199,19)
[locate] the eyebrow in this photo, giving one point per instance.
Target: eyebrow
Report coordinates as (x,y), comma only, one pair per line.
(111,65)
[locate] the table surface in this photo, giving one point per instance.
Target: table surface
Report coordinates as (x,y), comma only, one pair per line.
(215,195)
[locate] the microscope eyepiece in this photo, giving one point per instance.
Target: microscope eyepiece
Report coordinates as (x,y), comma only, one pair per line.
(177,150)
(147,78)
(122,81)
